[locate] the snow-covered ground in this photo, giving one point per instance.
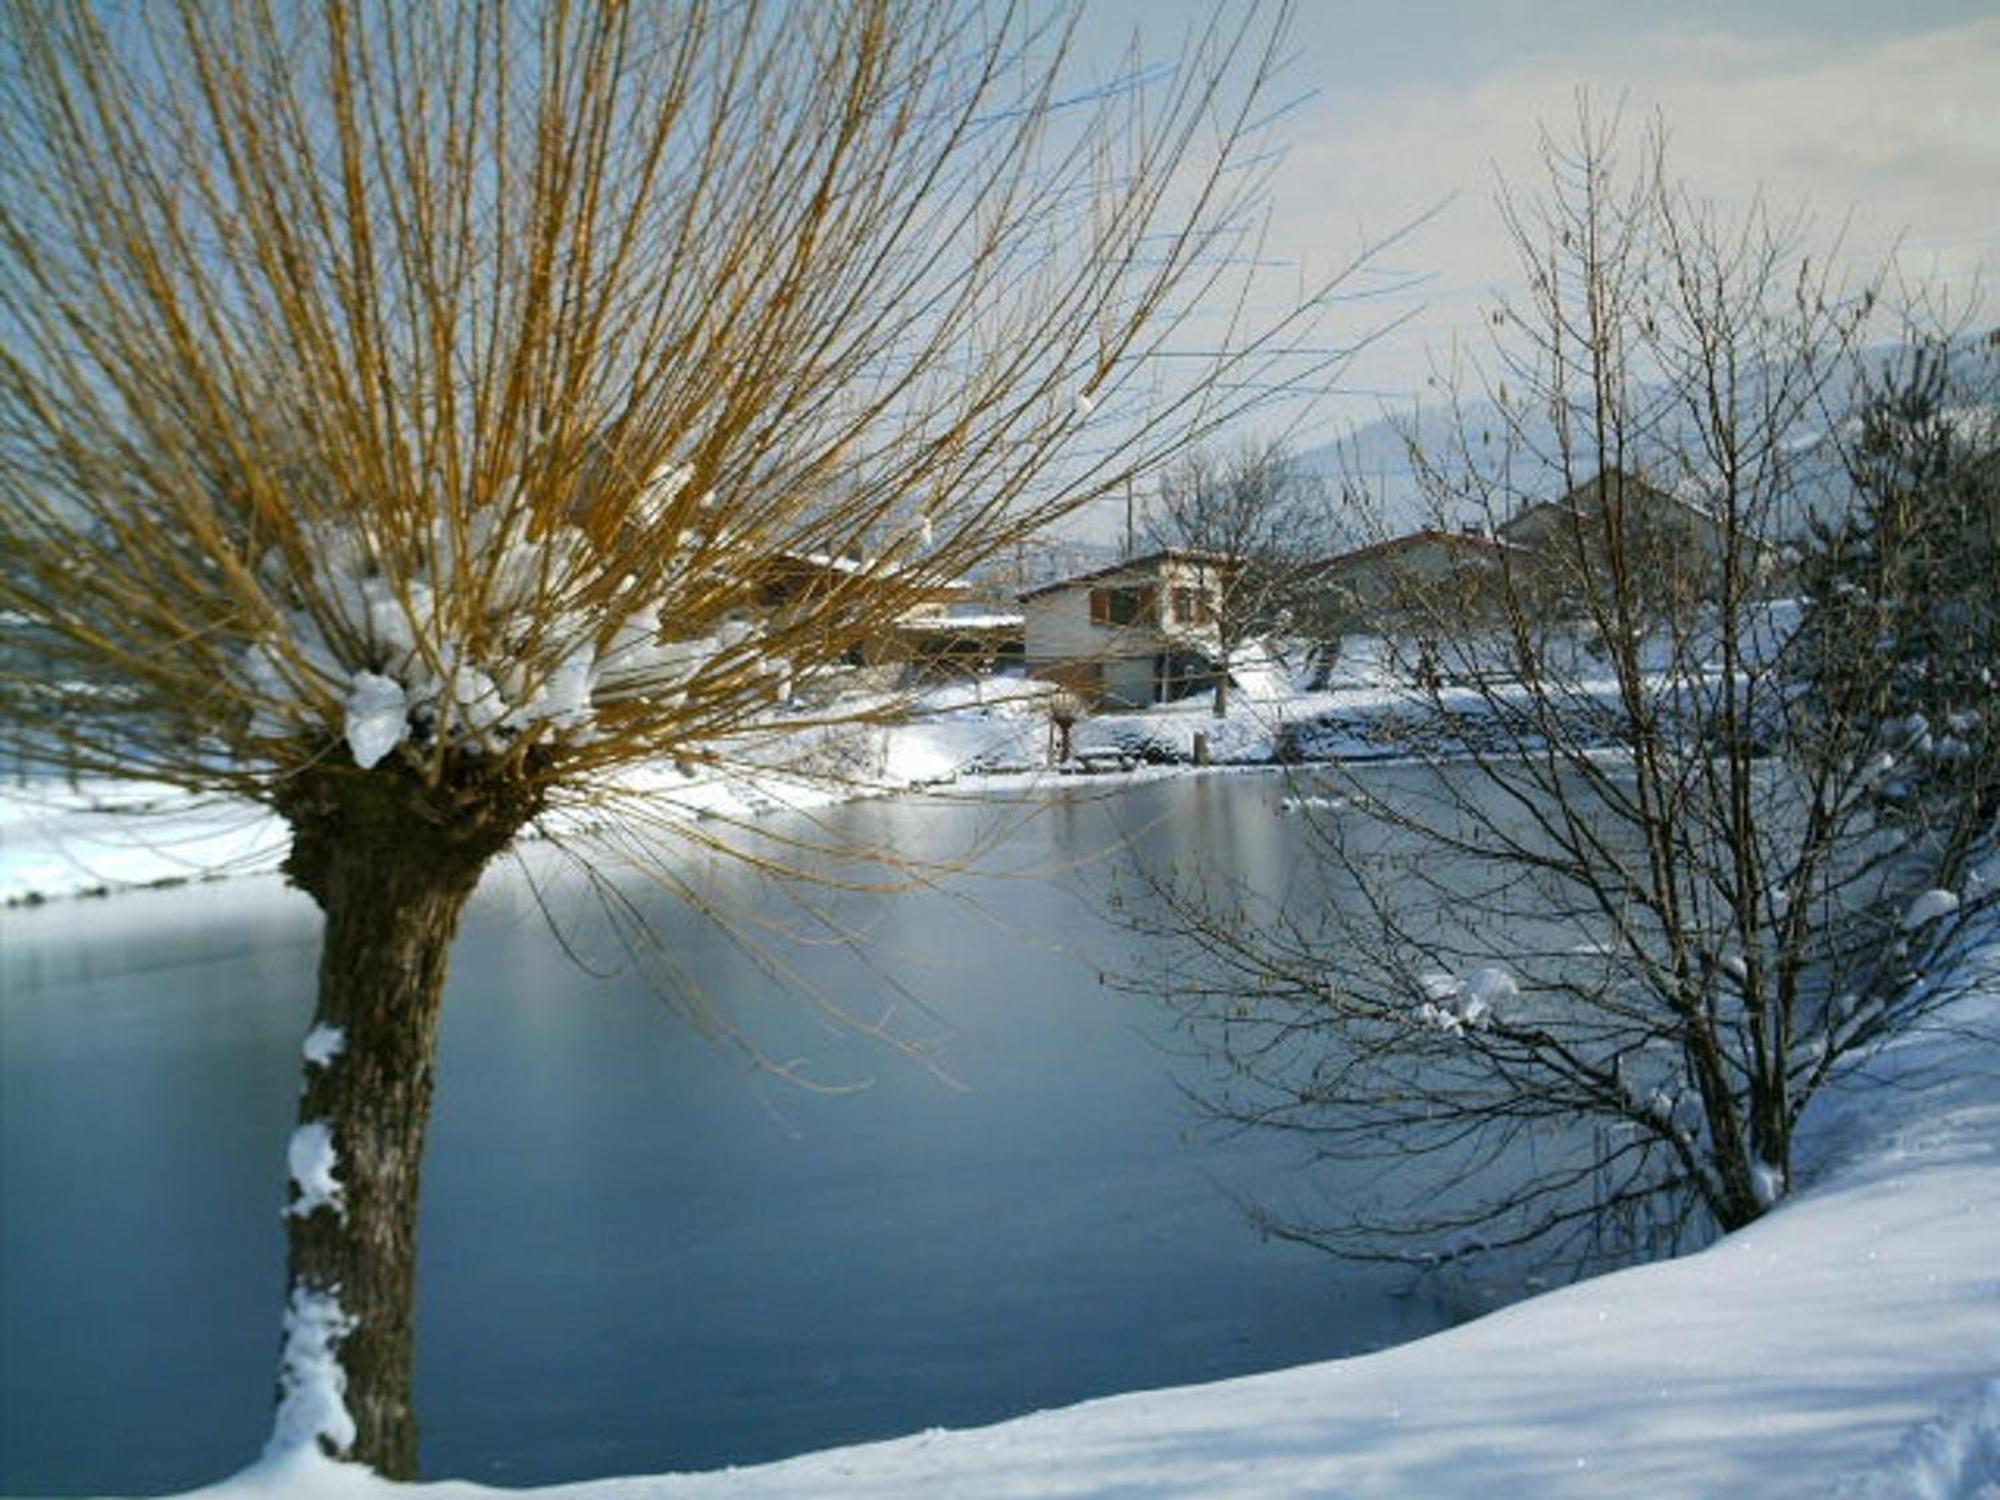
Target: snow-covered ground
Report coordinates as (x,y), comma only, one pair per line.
(1846,1347)
(94,837)
(61,838)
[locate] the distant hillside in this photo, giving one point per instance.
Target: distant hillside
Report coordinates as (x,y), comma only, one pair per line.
(1375,459)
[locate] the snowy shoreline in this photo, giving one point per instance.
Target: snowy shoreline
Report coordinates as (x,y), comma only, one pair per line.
(100,837)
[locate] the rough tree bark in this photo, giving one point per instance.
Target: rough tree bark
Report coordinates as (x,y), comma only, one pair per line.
(391,862)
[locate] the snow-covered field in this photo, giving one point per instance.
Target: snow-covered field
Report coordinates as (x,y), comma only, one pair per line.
(95,837)
(1848,1346)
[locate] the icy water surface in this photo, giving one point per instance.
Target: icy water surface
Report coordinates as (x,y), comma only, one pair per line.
(639,1252)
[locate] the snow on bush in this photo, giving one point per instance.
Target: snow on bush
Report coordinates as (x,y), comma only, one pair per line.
(1928,908)
(1311,802)
(378,713)
(312,1387)
(1767,1182)
(494,630)
(1453,1005)
(313,1161)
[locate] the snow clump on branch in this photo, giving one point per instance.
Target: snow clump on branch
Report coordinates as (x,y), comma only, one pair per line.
(1928,908)
(495,631)
(1453,1005)
(323,1044)
(312,1159)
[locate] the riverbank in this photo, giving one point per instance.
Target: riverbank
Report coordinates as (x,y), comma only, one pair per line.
(93,838)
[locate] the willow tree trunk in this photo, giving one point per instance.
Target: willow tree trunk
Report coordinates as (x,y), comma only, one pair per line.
(391,863)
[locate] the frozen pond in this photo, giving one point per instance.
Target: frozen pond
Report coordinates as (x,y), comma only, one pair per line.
(640,1254)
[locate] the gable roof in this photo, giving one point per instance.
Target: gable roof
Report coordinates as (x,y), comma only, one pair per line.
(1581,495)
(1134,565)
(1428,536)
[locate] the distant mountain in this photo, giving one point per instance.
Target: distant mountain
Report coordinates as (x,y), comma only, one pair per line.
(1375,460)
(1374,464)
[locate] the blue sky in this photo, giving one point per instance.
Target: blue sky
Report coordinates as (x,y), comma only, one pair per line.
(1883,117)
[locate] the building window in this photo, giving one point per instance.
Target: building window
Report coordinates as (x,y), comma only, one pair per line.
(1192,607)
(1127,606)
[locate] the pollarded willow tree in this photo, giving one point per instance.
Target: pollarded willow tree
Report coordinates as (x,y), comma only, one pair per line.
(1660,865)
(404,410)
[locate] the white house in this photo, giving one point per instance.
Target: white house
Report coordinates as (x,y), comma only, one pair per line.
(1139,632)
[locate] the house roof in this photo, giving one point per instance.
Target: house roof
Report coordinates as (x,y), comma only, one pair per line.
(1573,500)
(1389,546)
(1132,565)
(872,570)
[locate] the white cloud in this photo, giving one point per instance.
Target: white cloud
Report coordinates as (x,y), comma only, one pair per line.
(1897,139)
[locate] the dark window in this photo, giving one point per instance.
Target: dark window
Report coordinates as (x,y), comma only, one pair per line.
(1129,606)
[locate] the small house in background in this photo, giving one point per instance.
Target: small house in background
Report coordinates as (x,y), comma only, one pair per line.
(1671,548)
(788,584)
(1547,558)
(955,639)
(1407,581)
(939,626)
(1133,634)
(1644,507)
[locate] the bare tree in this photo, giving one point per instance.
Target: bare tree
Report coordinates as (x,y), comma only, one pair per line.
(1574,973)
(403,406)
(1261,519)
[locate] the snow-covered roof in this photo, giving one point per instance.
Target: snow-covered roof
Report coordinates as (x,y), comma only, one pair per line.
(971,621)
(878,568)
(1579,496)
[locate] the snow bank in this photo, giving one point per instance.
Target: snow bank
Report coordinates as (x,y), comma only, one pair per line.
(1255,730)
(94,837)
(1953,1456)
(97,836)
